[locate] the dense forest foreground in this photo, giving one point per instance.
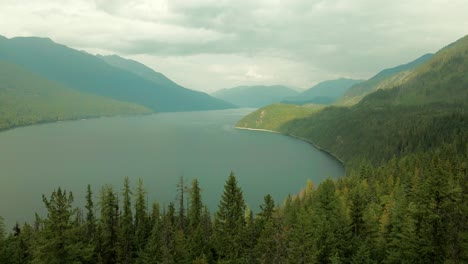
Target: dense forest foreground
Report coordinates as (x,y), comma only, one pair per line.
(412,210)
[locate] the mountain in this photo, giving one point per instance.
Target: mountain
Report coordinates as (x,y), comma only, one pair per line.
(159,79)
(443,79)
(88,73)
(424,112)
(27,98)
(255,96)
(140,70)
(385,79)
(325,92)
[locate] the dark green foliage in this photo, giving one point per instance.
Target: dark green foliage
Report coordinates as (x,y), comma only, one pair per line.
(411,210)
(59,241)
(198,237)
(108,243)
(142,225)
(90,218)
(127,227)
(181,217)
(230,221)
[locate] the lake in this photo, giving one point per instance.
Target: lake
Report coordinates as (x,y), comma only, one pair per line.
(158,149)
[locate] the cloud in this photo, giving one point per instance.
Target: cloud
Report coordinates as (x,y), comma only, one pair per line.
(295,42)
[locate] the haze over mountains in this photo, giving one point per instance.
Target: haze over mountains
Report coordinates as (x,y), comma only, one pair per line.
(255,96)
(112,77)
(386,78)
(325,92)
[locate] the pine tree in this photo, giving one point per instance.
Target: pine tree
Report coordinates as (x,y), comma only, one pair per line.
(230,221)
(141,218)
(271,246)
(152,253)
(90,218)
(168,235)
(196,205)
(59,240)
(267,209)
(127,228)
(330,226)
(109,227)
(300,239)
(181,189)
(197,240)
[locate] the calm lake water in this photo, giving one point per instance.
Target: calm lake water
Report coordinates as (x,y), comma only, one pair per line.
(158,149)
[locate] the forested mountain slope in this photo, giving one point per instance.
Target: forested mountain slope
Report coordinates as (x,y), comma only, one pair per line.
(87,73)
(385,79)
(27,98)
(426,111)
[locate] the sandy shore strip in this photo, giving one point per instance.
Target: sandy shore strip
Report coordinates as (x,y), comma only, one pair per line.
(303,139)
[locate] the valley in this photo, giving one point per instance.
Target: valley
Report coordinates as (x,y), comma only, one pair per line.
(134,168)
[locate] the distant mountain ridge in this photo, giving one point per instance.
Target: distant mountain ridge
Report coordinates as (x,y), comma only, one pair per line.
(91,74)
(255,96)
(161,80)
(387,78)
(325,92)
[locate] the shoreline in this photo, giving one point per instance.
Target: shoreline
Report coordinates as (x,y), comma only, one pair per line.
(296,137)
(45,122)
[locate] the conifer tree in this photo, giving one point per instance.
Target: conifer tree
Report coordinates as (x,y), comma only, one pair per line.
(127,228)
(152,253)
(181,189)
(196,205)
(230,221)
(141,217)
(90,218)
(59,240)
(300,238)
(330,230)
(197,239)
(109,227)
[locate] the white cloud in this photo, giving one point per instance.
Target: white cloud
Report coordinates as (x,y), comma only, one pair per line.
(210,44)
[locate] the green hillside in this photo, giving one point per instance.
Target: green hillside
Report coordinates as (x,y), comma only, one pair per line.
(272,117)
(27,98)
(255,96)
(385,79)
(87,73)
(425,112)
(325,92)
(443,79)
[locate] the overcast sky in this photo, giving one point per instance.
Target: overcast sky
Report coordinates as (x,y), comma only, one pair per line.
(211,44)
